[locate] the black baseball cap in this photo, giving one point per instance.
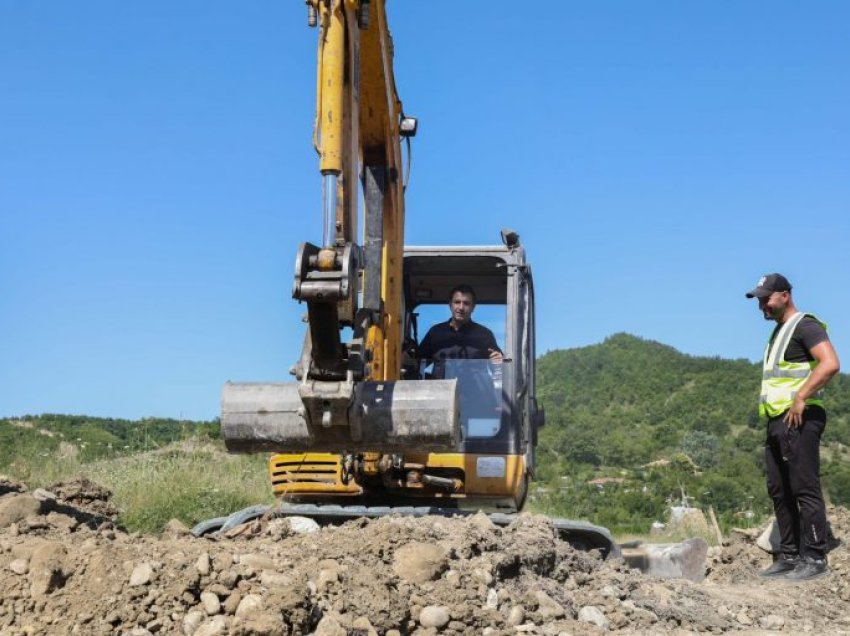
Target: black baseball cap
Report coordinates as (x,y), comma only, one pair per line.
(768,284)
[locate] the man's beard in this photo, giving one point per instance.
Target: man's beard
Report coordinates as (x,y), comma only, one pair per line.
(774,314)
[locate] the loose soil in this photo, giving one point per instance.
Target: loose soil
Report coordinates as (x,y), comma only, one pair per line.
(66,568)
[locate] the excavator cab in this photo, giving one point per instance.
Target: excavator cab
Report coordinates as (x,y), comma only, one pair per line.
(498,410)
(490,465)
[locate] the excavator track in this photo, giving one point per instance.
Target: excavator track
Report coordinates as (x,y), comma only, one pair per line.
(580,534)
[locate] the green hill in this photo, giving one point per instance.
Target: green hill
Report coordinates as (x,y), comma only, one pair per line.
(90,438)
(662,423)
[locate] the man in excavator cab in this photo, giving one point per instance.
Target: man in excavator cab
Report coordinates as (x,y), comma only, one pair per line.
(466,350)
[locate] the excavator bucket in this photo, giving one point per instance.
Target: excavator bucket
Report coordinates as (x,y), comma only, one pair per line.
(337,417)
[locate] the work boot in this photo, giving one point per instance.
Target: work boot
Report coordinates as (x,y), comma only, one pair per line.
(807,569)
(783,565)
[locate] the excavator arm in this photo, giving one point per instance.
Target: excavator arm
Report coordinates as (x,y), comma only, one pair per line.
(349,396)
(358,132)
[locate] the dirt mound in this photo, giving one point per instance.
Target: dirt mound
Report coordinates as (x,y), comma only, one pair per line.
(86,496)
(394,575)
(7,485)
(741,559)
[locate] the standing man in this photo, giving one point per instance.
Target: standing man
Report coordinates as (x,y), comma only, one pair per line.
(799,361)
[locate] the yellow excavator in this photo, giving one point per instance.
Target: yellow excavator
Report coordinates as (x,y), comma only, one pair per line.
(363,431)
(359,423)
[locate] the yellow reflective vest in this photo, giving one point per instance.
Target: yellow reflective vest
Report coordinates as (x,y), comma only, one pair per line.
(781,380)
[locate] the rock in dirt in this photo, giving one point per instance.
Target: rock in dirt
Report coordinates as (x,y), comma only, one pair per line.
(44,495)
(434,616)
(257,562)
(271,579)
(262,624)
(329,626)
(192,621)
(592,614)
(772,621)
(769,538)
(176,529)
(547,607)
(743,618)
(213,627)
(47,568)
(418,562)
(63,522)
(303,525)
(211,603)
(231,603)
(516,615)
(363,626)
(203,564)
(326,577)
(141,574)
(251,603)
(17,508)
(19,566)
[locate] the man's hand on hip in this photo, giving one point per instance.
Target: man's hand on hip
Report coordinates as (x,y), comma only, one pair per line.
(794,417)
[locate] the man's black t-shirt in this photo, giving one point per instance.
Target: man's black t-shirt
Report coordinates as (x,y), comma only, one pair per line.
(472,341)
(807,334)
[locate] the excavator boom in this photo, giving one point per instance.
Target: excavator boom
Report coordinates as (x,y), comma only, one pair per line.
(348,396)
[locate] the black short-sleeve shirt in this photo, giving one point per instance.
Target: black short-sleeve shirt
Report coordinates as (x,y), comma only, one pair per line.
(807,334)
(472,341)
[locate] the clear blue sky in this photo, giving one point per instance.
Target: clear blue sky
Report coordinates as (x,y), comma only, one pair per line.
(157,174)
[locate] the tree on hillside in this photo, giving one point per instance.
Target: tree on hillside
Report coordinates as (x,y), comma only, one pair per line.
(702,447)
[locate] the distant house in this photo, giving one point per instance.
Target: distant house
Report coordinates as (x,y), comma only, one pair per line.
(680,460)
(601,482)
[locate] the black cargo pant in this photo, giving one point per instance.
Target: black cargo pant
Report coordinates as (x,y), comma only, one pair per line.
(793,482)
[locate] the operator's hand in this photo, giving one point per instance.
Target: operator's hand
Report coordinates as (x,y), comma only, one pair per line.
(495,356)
(794,417)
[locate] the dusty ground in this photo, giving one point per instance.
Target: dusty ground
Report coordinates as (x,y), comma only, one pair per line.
(66,569)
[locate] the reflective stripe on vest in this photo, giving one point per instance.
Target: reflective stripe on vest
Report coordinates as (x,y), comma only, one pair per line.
(781,380)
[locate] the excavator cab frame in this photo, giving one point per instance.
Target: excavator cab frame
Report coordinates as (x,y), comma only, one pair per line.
(490,466)
(500,276)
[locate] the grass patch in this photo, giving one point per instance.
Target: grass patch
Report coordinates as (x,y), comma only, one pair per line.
(190,481)
(189,484)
